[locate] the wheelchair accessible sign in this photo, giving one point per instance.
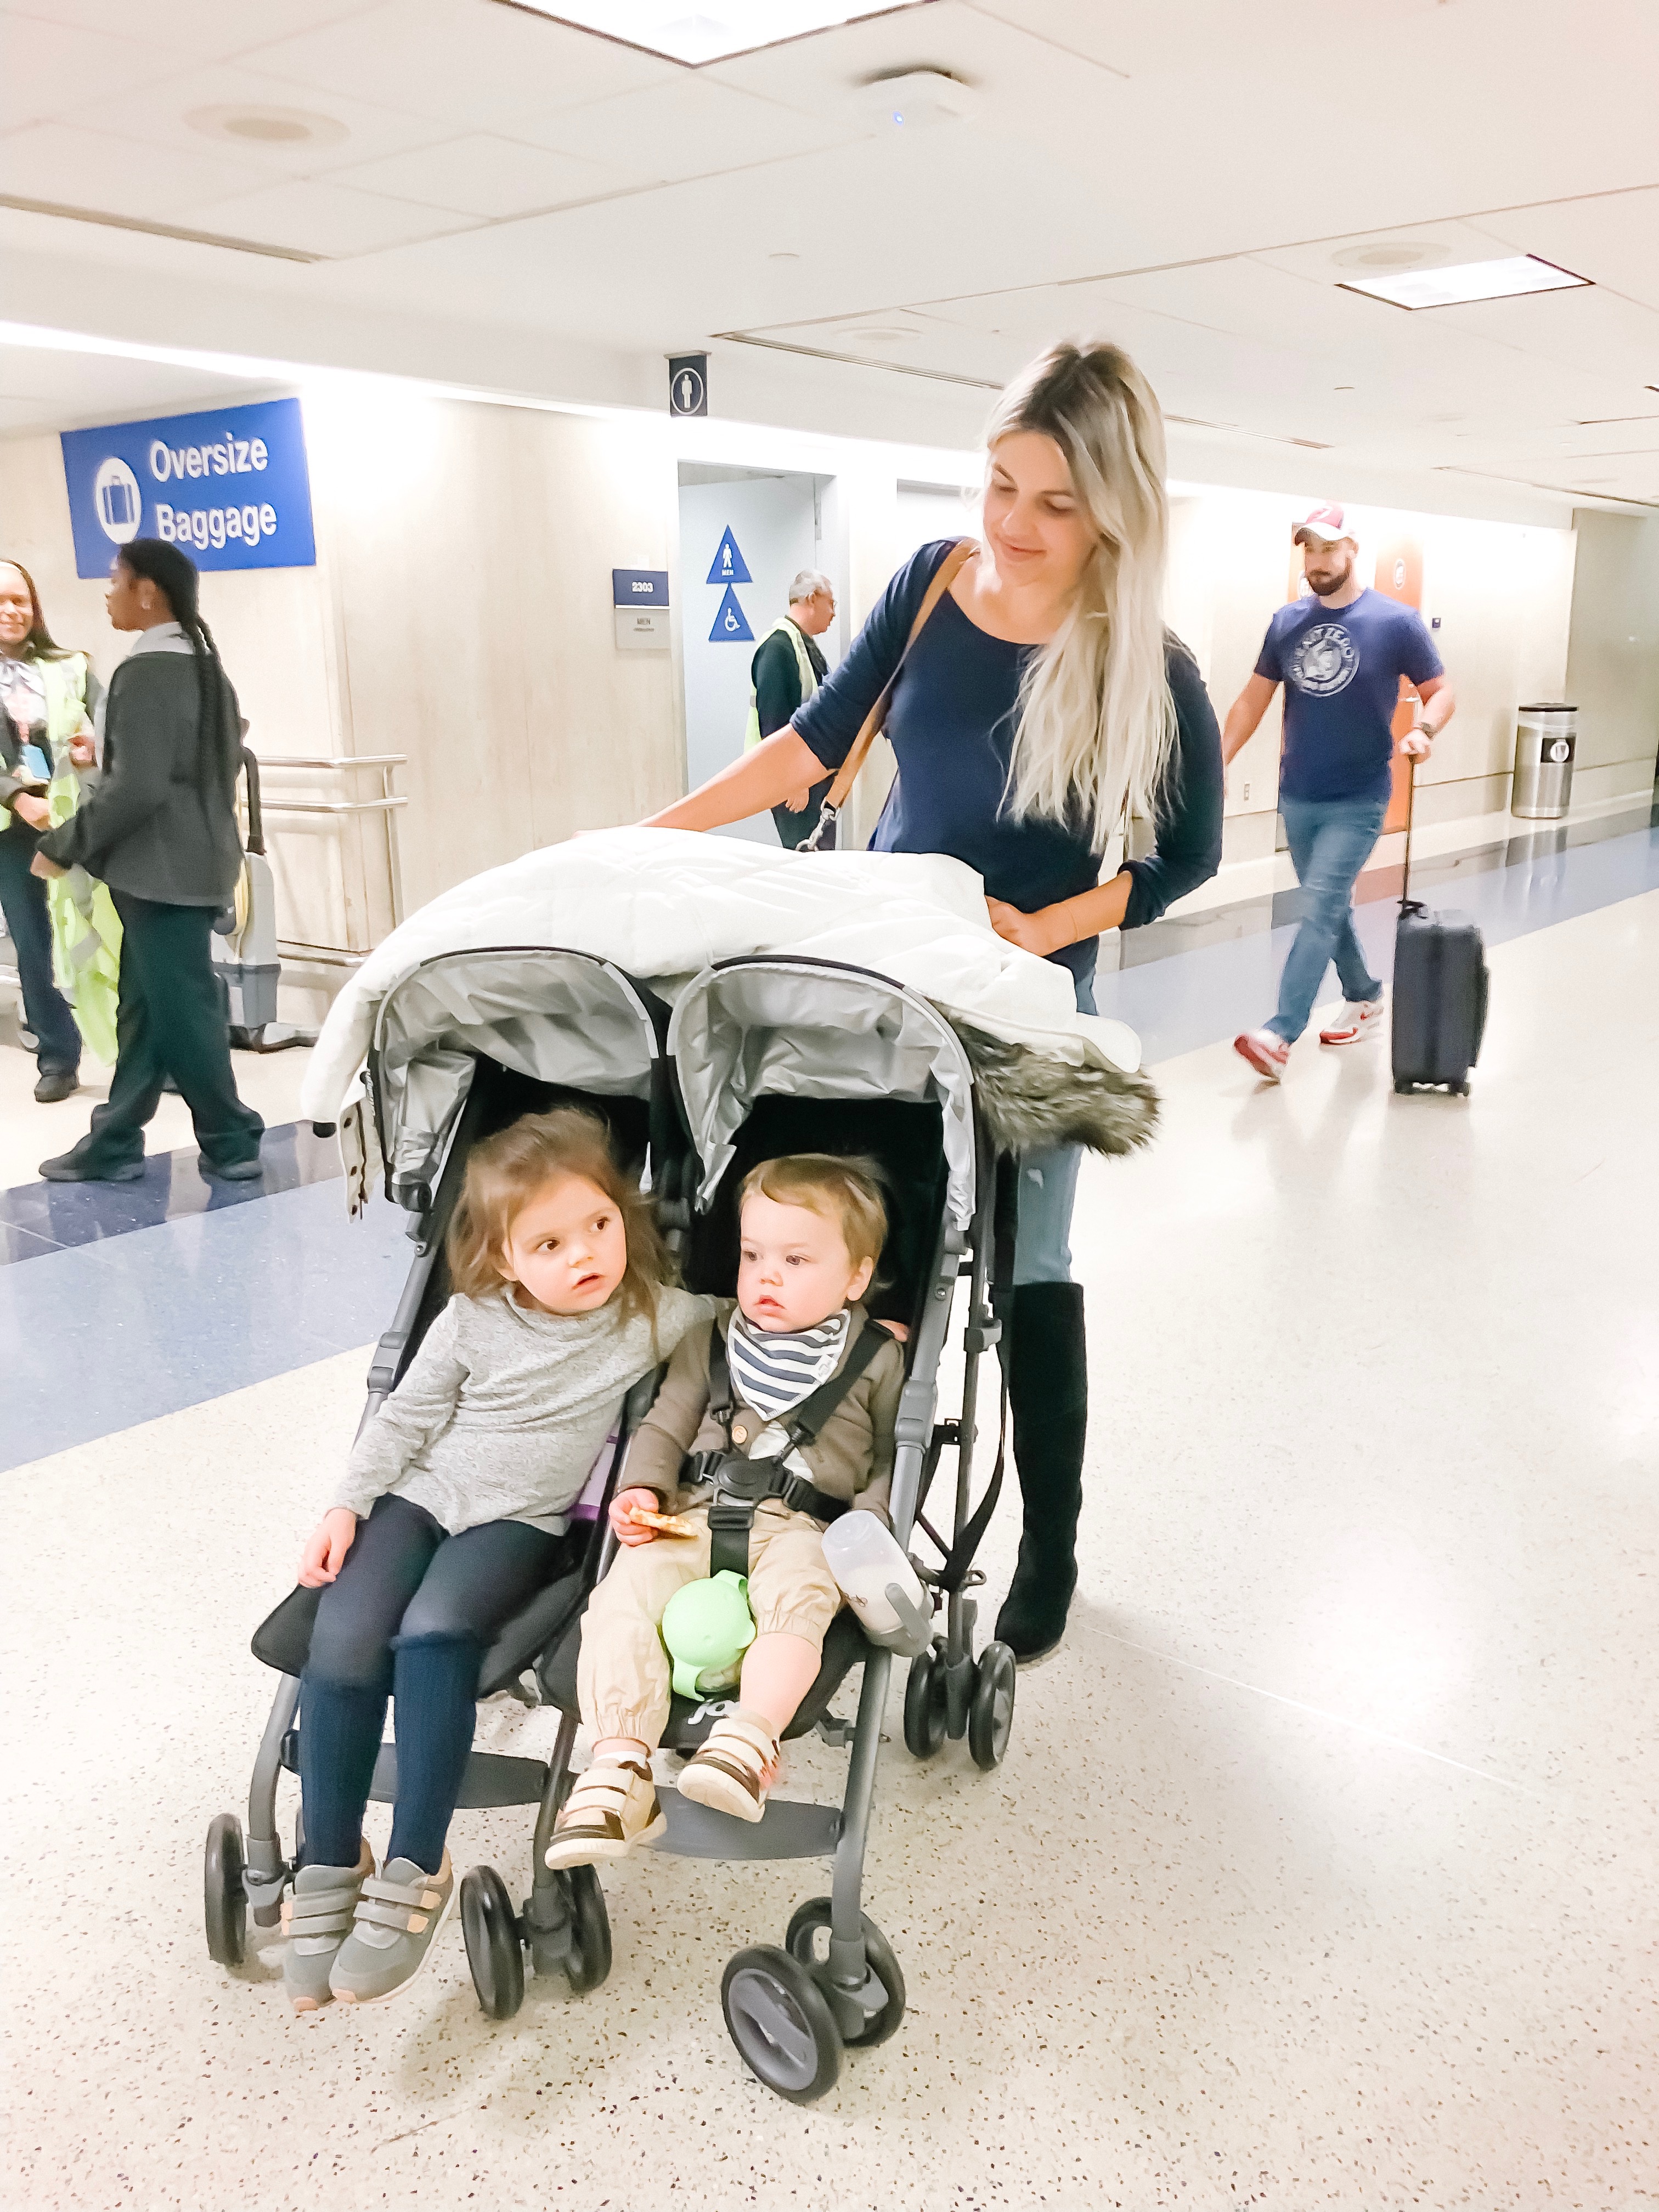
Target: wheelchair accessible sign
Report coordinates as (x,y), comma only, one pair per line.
(229,486)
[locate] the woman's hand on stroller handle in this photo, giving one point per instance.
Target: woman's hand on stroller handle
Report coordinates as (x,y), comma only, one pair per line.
(627,1529)
(326,1547)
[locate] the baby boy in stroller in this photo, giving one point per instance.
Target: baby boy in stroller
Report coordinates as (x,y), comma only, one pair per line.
(774,1418)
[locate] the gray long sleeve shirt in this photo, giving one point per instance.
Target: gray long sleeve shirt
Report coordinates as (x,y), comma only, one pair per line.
(502,1411)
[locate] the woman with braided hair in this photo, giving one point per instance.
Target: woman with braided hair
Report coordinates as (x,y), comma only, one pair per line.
(160,831)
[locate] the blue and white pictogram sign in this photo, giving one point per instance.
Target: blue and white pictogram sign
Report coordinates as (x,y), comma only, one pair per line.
(731,623)
(230,487)
(728,566)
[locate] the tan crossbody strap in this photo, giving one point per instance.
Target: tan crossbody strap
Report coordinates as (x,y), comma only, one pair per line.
(847,775)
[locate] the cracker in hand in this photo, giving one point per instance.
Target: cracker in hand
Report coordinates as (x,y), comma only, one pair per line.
(665,1524)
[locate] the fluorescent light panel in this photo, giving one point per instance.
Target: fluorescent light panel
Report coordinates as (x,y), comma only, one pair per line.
(711,33)
(1470,280)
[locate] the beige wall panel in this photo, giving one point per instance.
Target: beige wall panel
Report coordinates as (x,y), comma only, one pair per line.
(471,549)
(1612,664)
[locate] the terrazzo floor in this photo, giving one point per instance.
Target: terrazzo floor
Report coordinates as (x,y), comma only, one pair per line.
(1320,1872)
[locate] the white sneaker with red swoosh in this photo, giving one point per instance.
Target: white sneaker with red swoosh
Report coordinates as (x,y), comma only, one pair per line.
(1359,1017)
(1267,1054)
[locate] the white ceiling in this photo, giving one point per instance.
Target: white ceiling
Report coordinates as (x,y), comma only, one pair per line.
(508,201)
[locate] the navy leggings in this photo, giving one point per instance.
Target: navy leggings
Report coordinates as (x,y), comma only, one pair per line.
(409,1615)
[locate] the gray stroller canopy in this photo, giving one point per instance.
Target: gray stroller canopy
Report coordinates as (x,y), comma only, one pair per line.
(557,1017)
(808,1028)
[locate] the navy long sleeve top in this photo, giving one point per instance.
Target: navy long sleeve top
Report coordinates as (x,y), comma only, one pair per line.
(952,724)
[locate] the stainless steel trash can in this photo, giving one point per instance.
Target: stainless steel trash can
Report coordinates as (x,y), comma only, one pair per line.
(1546,740)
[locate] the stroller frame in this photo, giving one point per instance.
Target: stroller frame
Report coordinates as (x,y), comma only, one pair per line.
(790,2009)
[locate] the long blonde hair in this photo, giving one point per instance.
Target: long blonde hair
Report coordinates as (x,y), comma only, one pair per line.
(1096,724)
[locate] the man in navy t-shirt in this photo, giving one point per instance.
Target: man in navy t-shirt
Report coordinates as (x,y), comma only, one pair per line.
(1339,654)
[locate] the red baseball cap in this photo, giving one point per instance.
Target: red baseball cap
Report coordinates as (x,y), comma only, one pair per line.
(1326,524)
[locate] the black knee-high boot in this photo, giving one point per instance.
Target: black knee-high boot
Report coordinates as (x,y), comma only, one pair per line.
(1049,1393)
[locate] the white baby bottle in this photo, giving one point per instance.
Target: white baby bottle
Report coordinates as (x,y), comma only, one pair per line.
(863,1558)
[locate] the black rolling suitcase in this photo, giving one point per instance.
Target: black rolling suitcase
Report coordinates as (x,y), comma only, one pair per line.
(1439,989)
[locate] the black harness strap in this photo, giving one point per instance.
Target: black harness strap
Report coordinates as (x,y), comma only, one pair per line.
(741,1484)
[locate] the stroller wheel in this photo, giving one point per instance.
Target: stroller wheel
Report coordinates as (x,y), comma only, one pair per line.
(800,1943)
(925,1709)
(781,2023)
(991,1715)
(589,1950)
(492,1949)
(224,1899)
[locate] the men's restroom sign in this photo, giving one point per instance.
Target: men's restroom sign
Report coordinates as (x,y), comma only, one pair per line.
(229,486)
(731,623)
(687,384)
(728,565)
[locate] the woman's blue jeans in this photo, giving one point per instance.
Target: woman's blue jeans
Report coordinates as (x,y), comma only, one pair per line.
(1048,1192)
(1330,841)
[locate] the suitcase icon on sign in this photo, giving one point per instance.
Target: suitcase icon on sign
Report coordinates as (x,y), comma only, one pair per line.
(116,504)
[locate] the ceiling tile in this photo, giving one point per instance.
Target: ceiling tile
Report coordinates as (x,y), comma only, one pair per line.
(484,176)
(209,29)
(47,62)
(470,64)
(313,217)
(692,127)
(85,168)
(161,119)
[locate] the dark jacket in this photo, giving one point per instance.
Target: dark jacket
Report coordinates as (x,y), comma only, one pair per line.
(161,823)
(775,674)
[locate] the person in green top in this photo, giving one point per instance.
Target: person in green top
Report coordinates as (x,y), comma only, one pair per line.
(787,670)
(49,696)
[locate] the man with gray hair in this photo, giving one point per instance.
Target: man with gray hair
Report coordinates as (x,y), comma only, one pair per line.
(787,670)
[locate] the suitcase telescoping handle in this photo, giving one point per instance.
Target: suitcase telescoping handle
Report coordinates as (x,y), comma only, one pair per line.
(1406,878)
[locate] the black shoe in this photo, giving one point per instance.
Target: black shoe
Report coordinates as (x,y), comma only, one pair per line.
(67,1168)
(232,1170)
(56,1084)
(1048,1392)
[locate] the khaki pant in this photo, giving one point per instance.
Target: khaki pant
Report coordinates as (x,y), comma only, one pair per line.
(622,1674)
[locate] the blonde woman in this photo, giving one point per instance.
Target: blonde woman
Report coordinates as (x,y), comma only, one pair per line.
(1043,694)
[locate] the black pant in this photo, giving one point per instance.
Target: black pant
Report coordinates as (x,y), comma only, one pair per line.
(793,829)
(170,1020)
(410,1614)
(23,901)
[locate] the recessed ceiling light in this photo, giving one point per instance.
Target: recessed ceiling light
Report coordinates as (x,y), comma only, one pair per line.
(710,34)
(1469,280)
(268,126)
(879,334)
(784,253)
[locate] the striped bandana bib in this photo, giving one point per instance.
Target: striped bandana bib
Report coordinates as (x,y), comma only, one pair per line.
(773,1370)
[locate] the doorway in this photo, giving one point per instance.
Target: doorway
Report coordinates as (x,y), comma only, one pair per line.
(745,534)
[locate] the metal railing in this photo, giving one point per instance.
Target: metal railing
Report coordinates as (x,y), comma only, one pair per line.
(386,807)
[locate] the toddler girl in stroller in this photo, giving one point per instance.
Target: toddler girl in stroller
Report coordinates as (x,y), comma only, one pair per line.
(796,1341)
(449,1516)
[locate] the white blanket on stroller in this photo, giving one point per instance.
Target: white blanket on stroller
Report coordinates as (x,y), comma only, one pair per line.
(663,905)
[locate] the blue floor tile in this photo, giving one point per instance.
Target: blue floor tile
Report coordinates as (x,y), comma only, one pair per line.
(143,1325)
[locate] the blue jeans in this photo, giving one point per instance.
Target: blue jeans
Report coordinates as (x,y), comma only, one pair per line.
(23,898)
(1048,1192)
(1330,841)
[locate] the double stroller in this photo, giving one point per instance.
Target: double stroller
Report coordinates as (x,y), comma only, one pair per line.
(761,1056)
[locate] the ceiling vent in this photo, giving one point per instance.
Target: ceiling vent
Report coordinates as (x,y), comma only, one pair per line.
(267,127)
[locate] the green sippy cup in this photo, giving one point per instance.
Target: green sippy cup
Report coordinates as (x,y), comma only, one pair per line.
(707,1627)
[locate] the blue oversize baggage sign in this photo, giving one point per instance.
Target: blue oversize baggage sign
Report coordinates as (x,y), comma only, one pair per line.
(229,486)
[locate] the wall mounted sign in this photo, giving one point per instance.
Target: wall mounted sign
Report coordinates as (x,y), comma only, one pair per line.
(229,486)
(731,623)
(687,384)
(728,565)
(640,597)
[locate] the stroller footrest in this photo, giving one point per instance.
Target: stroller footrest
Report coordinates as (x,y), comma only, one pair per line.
(786,1831)
(490,1780)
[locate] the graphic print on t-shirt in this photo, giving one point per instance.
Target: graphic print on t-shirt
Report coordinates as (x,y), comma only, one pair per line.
(1323,660)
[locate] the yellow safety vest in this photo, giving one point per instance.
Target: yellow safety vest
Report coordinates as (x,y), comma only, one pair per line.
(809,681)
